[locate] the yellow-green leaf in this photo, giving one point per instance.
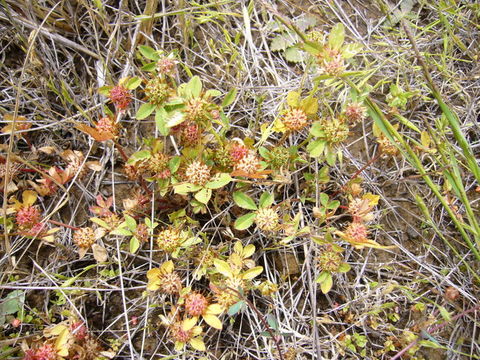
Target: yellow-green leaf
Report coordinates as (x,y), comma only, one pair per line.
(223,267)
(293,99)
(204,195)
(309,105)
(253,272)
(248,250)
(189,323)
(198,344)
(327,284)
(213,321)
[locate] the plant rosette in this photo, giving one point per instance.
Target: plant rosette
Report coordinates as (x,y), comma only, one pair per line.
(197,305)
(298,114)
(203,192)
(330,261)
(264,215)
(138,233)
(183,332)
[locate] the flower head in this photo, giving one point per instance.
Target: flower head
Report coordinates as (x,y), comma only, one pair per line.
(266,219)
(197,173)
(120,96)
(355,113)
(249,163)
(84,237)
(294,119)
(164,278)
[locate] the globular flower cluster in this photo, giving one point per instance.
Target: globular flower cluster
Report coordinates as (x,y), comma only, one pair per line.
(164,278)
(294,119)
(157,91)
(279,157)
(108,125)
(170,239)
(120,96)
(84,237)
(166,65)
(356,232)
(158,165)
(335,130)
(189,132)
(249,163)
(266,219)
(195,304)
(197,173)
(28,216)
(179,334)
(45,352)
(386,147)
(355,113)
(331,62)
(329,259)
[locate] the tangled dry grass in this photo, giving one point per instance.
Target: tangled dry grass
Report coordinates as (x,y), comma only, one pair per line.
(424,291)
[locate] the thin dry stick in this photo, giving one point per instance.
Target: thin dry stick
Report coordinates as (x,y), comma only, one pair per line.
(45,32)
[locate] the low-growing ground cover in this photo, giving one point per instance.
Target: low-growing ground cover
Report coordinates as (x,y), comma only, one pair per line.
(239,180)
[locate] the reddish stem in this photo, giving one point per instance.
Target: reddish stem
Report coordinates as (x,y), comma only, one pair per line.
(62,224)
(121,151)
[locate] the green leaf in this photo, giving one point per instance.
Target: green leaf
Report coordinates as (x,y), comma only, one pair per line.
(149,53)
(293,54)
(313,48)
(175,119)
(327,284)
(134,245)
(194,86)
(150,67)
(245,221)
(317,129)
(174,164)
(121,232)
(139,155)
(185,188)
(244,201)
(315,148)
(324,199)
(100,222)
(350,50)
(272,322)
(13,303)
(444,312)
(131,223)
(306,22)
(144,111)
(235,308)
(337,36)
(293,99)
(160,120)
(309,105)
(343,268)
(133,83)
(229,98)
(223,268)
(322,277)
(105,90)
(266,200)
(252,273)
(212,93)
(281,42)
(219,182)
(332,205)
(204,195)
